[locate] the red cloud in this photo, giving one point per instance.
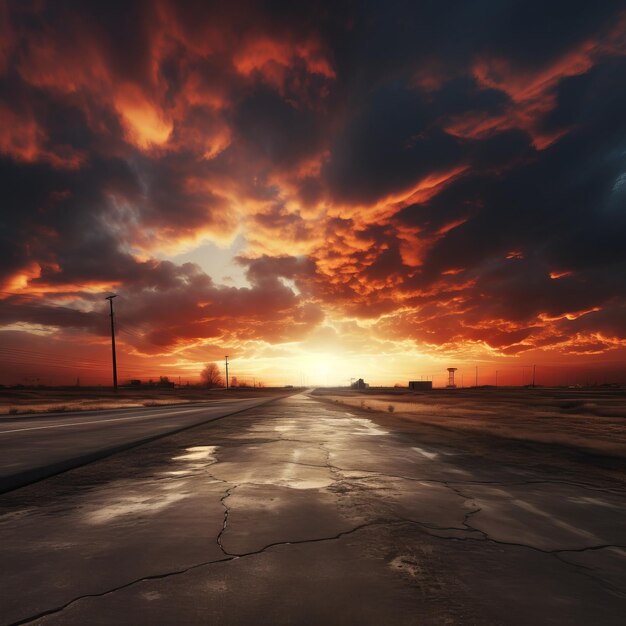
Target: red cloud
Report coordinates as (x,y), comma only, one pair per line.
(360,191)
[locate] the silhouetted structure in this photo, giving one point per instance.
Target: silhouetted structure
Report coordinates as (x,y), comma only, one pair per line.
(421,385)
(451,384)
(110,299)
(359,384)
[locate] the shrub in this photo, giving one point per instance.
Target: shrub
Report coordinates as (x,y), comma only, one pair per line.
(56,409)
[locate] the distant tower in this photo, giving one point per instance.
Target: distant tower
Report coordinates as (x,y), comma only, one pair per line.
(451,384)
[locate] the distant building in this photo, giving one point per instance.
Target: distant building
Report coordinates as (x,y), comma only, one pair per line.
(135,382)
(451,384)
(421,385)
(359,384)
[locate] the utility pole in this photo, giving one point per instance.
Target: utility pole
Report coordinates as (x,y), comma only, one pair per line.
(110,299)
(534,367)
(477,376)
(496,378)
(226,358)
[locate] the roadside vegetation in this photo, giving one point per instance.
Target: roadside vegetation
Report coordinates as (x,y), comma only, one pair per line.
(26,401)
(592,419)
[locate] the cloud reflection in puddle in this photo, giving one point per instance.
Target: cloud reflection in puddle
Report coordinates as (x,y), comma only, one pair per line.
(155,498)
(197,453)
(367,427)
(133,505)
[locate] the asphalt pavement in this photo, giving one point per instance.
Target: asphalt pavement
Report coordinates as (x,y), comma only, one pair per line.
(38,446)
(303,512)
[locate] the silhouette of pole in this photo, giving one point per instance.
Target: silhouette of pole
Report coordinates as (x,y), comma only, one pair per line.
(496,378)
(477,376)
(534,367)
(226,359)
(110,299)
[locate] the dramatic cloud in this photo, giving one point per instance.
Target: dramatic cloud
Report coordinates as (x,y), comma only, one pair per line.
(445,180)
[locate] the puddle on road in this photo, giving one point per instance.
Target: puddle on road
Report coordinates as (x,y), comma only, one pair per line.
(133,505)
(550,518)
(281,474)
(197,458)
(457,470)
(304,478)
(594,502)
(367,427)
(156,498)
(198,453)
(431,456)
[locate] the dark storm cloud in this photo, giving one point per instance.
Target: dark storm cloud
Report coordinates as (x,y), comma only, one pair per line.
(388,142)
(400,159)
(273,130)
(560,205)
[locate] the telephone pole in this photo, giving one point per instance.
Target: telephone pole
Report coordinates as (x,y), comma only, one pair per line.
(226,359)
(477,376)
(534,367)
(110,299)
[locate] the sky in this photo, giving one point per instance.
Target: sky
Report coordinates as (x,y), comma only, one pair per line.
(322,191)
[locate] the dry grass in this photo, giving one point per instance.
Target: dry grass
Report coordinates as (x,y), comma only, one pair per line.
(32,401)
(593,420)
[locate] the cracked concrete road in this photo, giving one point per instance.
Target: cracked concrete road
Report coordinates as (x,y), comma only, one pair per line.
(301,512)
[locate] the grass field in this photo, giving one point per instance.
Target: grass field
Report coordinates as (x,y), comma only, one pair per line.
(47,400)
(588,419)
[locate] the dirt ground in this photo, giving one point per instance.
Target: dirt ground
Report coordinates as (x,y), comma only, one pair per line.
(592,420)
(47,400)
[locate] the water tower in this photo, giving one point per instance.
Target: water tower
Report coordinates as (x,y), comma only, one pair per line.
(451,384)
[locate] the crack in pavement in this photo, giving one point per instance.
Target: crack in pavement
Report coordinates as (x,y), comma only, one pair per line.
(338,473)
(226,514)
(226,559)
(60,608)
(592,548)
(484,537)
(612,491)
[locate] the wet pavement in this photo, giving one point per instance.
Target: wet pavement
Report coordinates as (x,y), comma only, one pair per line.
(34,447)
(302,512)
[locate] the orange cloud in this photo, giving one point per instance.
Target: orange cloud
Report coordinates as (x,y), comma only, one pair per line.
(532,92)
(562,274)
(23,139)
(146,124)
(270,57)
(574,315)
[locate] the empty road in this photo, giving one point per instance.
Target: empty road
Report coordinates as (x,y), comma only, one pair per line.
(304,512)
(38,446)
